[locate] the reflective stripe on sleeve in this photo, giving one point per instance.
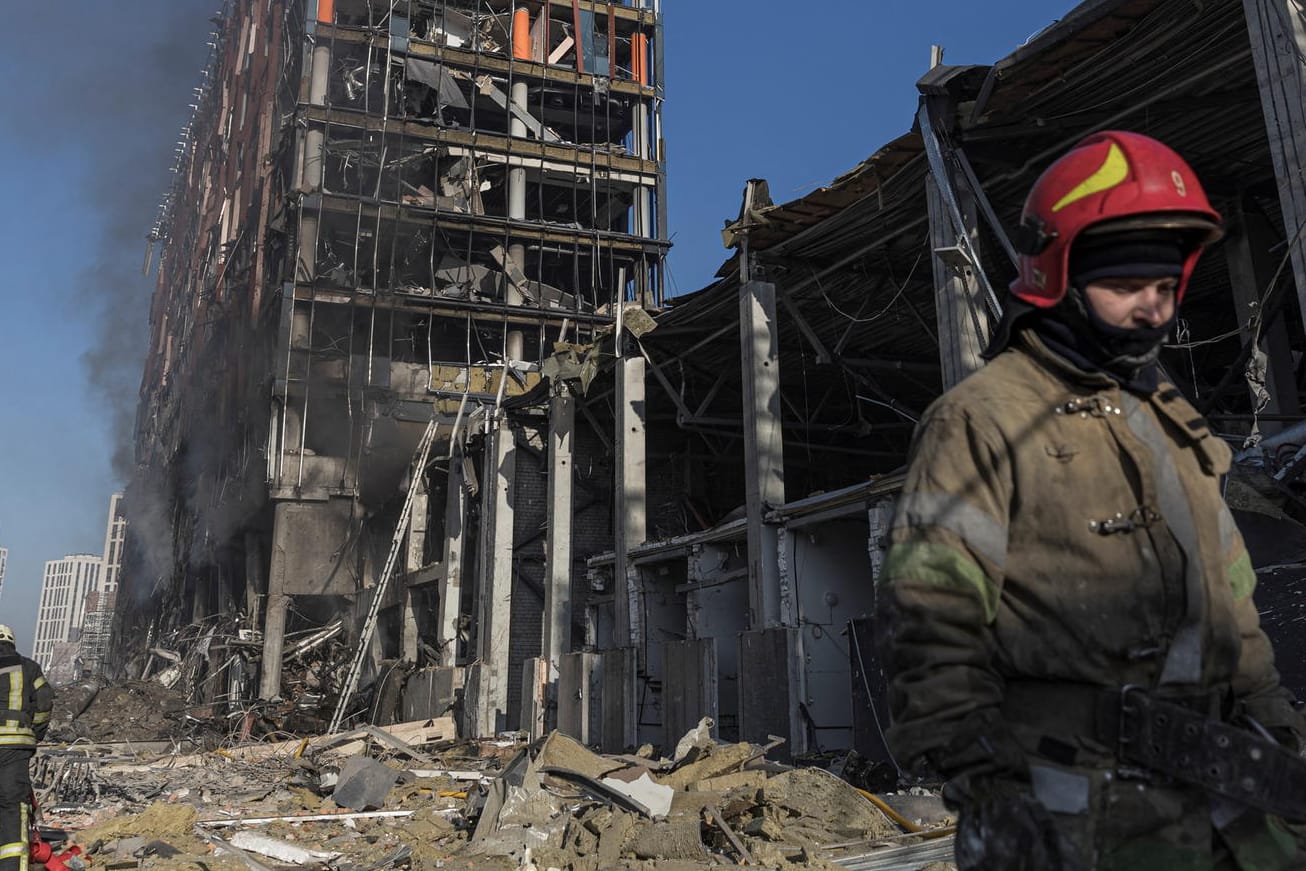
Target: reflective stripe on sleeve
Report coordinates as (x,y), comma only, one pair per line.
(981,532)
(942,566)
(14,701)
(1242,577)
(16,689)
(1228,529)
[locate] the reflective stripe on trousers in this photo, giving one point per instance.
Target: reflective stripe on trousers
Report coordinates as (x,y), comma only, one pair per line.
(14,855)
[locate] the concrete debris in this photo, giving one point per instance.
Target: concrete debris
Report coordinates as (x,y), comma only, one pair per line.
(717,759)
(282,851)
(363,784)
(419,801)
(669,840)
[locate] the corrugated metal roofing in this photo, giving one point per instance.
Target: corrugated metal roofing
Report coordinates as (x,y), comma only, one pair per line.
(853,258)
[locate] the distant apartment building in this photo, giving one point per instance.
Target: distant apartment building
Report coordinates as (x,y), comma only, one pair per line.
(59,616)
(4,558)
(98,619)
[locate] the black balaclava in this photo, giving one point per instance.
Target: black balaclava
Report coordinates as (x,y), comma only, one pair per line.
(1073,330)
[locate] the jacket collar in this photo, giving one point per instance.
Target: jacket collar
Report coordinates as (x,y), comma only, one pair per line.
(1063,369)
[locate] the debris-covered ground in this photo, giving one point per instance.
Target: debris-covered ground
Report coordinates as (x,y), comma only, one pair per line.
(129,711)
(410,796)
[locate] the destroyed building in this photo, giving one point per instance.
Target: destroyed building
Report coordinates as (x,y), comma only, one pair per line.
(392,225)
(413,367)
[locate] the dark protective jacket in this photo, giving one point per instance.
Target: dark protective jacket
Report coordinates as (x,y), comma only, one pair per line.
(1054,527)
(26,699)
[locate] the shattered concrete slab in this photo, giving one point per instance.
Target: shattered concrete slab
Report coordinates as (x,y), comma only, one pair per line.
(363,784)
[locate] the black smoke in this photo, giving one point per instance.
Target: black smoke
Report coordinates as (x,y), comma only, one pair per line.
(109,85)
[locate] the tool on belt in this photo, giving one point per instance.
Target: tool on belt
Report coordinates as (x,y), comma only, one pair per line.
(1182,738)
(45,841)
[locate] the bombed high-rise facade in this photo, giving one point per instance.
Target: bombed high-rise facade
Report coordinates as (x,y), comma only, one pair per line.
(400,240)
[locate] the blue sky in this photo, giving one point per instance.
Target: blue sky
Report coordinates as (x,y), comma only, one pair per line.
(96,93)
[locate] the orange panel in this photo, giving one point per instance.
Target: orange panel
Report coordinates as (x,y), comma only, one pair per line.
(521,34)
(639,58)
(326,11)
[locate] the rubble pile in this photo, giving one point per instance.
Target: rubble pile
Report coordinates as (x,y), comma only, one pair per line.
(411,796)
(127,711)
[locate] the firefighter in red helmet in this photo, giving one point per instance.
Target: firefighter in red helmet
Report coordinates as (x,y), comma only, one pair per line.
(1070,631)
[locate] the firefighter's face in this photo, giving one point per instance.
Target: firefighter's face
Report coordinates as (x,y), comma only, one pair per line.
(1133,303)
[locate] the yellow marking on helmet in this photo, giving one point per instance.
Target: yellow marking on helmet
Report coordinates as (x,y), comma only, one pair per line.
(1113,171)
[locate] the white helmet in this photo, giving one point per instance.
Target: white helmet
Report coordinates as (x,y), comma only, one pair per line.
(6,634)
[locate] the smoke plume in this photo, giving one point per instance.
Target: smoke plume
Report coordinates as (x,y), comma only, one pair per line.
(109,85)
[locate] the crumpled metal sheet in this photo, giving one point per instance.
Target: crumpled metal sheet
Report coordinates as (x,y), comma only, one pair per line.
(573,363)
(435,77)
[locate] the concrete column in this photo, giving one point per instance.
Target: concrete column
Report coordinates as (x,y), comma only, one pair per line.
(631,525)
(274,636)
(314,138)
(415,550)
(455,519)
(557,568)
(314,156)
(1278,42)
(516,212)
(1251,266)
(759,346)
(494,630)
(957,298)
(408,635)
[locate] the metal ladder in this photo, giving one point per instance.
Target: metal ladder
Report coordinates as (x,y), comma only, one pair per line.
(396,544)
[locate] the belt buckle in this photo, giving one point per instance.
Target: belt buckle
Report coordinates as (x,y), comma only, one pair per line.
(1123,735)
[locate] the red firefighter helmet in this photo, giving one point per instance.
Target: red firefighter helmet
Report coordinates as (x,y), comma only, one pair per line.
(1110,181)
